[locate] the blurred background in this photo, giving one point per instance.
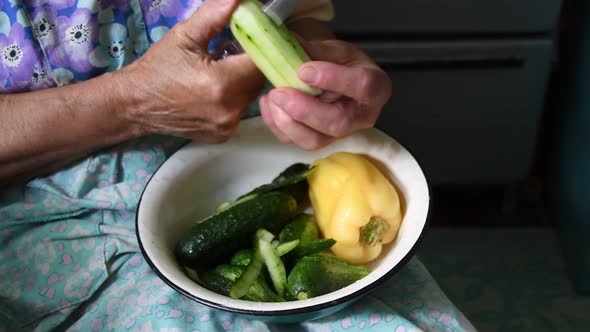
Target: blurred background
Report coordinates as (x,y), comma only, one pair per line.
(493,99)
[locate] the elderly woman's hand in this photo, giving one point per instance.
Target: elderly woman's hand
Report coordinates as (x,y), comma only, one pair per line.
(341,70)
(178,89)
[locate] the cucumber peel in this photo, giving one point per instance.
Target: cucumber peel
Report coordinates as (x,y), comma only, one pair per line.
(273,49)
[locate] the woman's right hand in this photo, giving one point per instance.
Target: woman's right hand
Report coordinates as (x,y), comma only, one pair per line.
(177,89)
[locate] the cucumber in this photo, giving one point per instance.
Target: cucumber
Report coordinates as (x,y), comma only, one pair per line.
(242,257)
(248,278)
(304,229)
(291,180)
(273,49)
(221,279)
(274,265)
(287,247)
(293,174)
(321,274)
(216,282)
(217,237)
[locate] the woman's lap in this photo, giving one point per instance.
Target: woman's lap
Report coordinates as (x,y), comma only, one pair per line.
(126,295)
(70,261)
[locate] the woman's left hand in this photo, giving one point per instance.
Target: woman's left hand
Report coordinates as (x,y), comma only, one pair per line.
(355,91)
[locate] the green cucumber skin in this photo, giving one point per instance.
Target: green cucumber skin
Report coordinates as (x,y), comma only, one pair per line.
(321,274)
(219,236)
(221,279)
(273,48)
(292,181)
(242,257)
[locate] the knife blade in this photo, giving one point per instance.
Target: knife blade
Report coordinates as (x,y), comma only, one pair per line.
(279,10)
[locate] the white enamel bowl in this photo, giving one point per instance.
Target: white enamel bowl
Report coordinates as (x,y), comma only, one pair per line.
(196,178)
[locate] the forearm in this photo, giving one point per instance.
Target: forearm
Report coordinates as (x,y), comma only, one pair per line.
(44,130)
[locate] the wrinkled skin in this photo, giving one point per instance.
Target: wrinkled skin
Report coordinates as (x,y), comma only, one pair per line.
(180,90)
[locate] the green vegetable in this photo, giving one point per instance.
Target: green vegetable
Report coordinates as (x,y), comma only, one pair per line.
(247,279)
(222,206)
(221,279)
(285,248)
(263,234)
(304,228)
(215,282)
(191,273)
(291,180)
(242,257)
(217,237)
(272,48)
(261,291)
(292,174)
(314,247)
(228,271)
(275,266)
(321,274)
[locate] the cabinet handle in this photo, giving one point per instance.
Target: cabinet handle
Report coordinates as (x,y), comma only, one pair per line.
(451,63)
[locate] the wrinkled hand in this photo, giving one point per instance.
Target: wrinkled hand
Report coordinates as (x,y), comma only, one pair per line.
(178,89)
(340,69)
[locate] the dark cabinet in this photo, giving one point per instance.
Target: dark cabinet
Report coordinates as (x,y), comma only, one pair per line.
(469,79)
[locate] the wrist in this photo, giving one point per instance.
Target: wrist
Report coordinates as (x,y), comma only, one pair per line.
(124,103)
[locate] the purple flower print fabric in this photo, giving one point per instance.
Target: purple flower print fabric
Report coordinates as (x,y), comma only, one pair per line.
(78,39)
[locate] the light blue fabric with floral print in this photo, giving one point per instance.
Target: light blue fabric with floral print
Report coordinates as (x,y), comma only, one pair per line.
(69,259)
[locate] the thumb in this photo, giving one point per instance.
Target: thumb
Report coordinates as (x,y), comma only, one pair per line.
(206,23)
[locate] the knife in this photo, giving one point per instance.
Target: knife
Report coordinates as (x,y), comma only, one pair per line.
(279,10)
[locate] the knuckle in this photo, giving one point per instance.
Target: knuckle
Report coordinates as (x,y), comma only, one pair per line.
(367,84)
(346,49)
(338,127)
(178,33)
(313,143)
(227,120)
(344,46)
(217,91)
(282,121)
(223,134)
(349,48)
(308,146)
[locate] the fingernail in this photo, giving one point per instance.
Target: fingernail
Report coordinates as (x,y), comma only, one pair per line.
(280,99)
(309,74)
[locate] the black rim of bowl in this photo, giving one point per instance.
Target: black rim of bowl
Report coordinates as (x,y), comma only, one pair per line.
(296,311)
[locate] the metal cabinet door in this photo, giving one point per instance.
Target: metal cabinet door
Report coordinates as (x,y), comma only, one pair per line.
(469,111)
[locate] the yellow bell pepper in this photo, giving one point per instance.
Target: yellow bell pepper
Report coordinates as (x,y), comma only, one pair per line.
(355,204)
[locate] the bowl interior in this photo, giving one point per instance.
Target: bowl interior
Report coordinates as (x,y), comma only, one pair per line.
(189,185)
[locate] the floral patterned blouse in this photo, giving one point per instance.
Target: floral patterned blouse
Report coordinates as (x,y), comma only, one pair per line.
(47,43)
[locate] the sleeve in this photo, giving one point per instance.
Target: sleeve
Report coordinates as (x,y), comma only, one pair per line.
(321,10)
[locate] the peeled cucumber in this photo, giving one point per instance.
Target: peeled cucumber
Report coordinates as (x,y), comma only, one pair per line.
(273,49)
